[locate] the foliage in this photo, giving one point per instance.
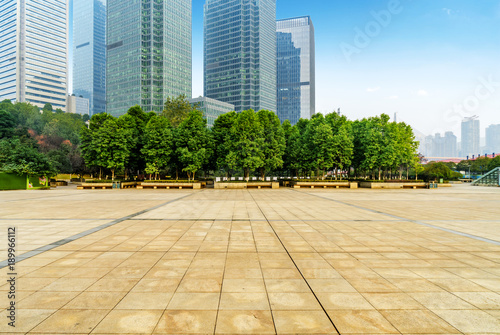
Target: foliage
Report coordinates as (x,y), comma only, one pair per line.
(23,158)
(438,170)
(274,143)
(176,109)
(193,143)
(111,146)
(158,144)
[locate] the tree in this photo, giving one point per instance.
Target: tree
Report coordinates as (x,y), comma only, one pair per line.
(274,143)
(193,143)
(319,144)
(246,143)
(23,158)
(494,163)
(221,136)
(7,124)
(342,143)
(48,107)
(177,109)
(111,146)
(158,144)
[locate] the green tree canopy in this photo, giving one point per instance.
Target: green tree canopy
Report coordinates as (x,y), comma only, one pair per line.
(158,144)
(274,143)
(176,109)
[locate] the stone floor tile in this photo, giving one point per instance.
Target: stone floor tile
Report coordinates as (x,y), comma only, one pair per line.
(129,322)
(157,285)
(244,301)
(286,285)
(293,301)
(145,301)
(95,300)
(470,321)
(243,286)
(49,300)
(186,322)
(302,322)
(194,301)
(440,300)
(392,301)
(30,318)
(71,321)
(344,301)
(244,322)
(418,322)
(361,322)
(331,285)
(107,284)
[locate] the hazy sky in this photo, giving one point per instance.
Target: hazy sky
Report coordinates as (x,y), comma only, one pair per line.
(431,61)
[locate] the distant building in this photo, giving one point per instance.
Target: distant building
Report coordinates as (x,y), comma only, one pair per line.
(148,53)
(89,53)
(34,52)
(493,139)
(441,147)
(470,137)
(211,108)
(296,87)
(78,105)
(240,53)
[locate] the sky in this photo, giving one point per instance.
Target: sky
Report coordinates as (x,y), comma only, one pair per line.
(433,62)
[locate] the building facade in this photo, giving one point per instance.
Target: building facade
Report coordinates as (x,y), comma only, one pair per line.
(89,53)
(470,137)
(296,86)
(78,105)
(493,139)
(211,108)
(148,53)
(240,53)
(34,52)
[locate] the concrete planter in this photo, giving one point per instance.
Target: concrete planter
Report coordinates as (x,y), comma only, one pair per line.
(250,184)
(195,186)
(128,184)
(392,186)
(323,184)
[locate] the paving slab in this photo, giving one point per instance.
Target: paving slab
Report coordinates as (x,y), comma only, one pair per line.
(255,261)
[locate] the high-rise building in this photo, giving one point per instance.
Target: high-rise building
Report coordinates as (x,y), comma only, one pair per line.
(89,53)
(296,88)
(450,145)
(240,53)
(34,52)
(493,139)
(78,105)
(211,108)
(470,137)
(148,53)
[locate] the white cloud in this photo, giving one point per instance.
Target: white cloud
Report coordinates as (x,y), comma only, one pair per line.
(447,11)
(393,97)
(422,93)
(373,89)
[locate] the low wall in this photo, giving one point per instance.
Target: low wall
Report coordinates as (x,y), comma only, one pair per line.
(93,186)
(195,186)
(323,184)
(371,185)
(250,184)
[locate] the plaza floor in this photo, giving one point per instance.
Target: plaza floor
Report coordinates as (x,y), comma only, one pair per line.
(254,261)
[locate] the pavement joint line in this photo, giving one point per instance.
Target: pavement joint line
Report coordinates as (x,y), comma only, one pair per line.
(64,241)
(294,264)
(475,237)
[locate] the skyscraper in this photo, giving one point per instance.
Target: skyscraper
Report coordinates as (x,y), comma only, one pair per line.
(89,53)
(148,53)
(240,53)
(296,89)
(470,137)
(493,139)
(34,52)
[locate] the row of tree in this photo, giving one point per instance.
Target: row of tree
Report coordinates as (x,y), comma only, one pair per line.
(247,142)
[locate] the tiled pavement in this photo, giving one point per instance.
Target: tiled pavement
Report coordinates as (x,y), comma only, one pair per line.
(256,262)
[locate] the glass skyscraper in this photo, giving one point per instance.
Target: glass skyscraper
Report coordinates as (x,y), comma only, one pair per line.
(470,137)
(296,89)
(89,52)
(148,53)
(240,53)
(34,52)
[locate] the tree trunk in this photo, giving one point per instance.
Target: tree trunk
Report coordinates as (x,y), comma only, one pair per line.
(113,174)
(176,173)
(100,173)
(246,173)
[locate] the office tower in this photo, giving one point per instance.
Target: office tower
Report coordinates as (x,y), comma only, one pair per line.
(78,105)
(148,53)
(296,88)
(449,144)
(470,137)
(34,52)
(211,108)
(89,53)
(240,53)
(493,139)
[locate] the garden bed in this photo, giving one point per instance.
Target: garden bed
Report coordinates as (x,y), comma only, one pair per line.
(239,185)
